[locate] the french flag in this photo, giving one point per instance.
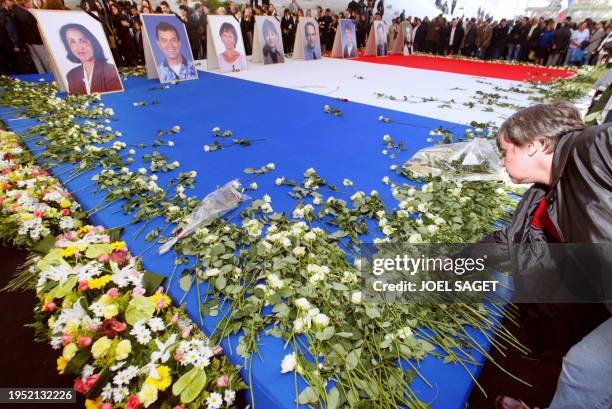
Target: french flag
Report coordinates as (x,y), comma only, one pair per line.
(565,5)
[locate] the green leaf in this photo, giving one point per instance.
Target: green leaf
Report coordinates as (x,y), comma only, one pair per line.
(185,282)
(333,398)
(77,362)
(96,250)
(352,359)
(308,395)
(96,389)
(326,334)
(62,290)
(194,388)
(44,246)
(152,281)
(139,308)
(372,312)
(181,384)
(220,282)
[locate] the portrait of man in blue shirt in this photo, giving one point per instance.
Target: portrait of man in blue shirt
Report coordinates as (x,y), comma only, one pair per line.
(175,66)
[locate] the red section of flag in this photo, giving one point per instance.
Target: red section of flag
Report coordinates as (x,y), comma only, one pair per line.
(476,68)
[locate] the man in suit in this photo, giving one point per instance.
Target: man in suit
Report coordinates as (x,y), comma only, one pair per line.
(455,36)
(350,51)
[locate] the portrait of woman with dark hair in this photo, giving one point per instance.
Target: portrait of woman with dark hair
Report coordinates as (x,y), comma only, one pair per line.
(272,49)
(230,59)
(94,73)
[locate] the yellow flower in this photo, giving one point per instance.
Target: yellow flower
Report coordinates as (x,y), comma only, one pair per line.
(69,251)
(163,381)
(26,217)
(100,282)
(61,364)
(84,229)
(100,347)
(148,394)
(65,203)
(70,351)
(156,297)
(123,349)
(118,245)
(92,404)
(111,311)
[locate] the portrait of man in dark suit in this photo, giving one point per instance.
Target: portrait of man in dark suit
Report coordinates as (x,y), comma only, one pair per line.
(349,49)
(381,40)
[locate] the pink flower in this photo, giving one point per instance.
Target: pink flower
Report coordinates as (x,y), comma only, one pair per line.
(119,257)
(113,292)
(160,290)
(72,234)
(160,304)
(186,332)
(49,307)
(103,258)
(138,291)
(217,350)
(84,341)
(111,327)
(178,407)
(222,381)
(132,402)
(178,355)
(65,212)
(174,319)
(83,285)
(84,387)
(93,327)
(66,339)
(38,213)
(106,405)
(66,194)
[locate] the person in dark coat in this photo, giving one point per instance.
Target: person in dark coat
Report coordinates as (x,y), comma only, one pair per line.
(454,38)
(499,39)
(517,39)
(27,29)
(288,30)
(568,203)
(468,46)
(125,44)
(420,34)
(559,44)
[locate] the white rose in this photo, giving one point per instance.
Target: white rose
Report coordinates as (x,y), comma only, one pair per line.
(356,297)
(299,251)
(206,148)
(271,166)
(302,303)
(280,181)
(321,320)
(289,363)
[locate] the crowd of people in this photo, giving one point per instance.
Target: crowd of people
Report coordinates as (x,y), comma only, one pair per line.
(536,40)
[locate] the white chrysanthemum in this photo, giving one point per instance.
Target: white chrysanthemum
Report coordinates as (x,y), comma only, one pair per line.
(156,324)
(214,401)
(302,303)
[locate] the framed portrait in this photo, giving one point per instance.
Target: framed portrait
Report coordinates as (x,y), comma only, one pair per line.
(308,40)
(381,38)
(79,51)
(168,45)
(268,44)
(349,39)
(225,45)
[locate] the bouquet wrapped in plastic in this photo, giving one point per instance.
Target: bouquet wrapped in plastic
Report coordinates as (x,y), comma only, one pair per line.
(213,206)
(463,161)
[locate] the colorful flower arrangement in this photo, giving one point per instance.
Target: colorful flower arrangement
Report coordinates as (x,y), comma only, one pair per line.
(120,335)
(125,341)
(33,203)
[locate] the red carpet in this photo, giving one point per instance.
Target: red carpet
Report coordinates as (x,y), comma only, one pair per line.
(478,68)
